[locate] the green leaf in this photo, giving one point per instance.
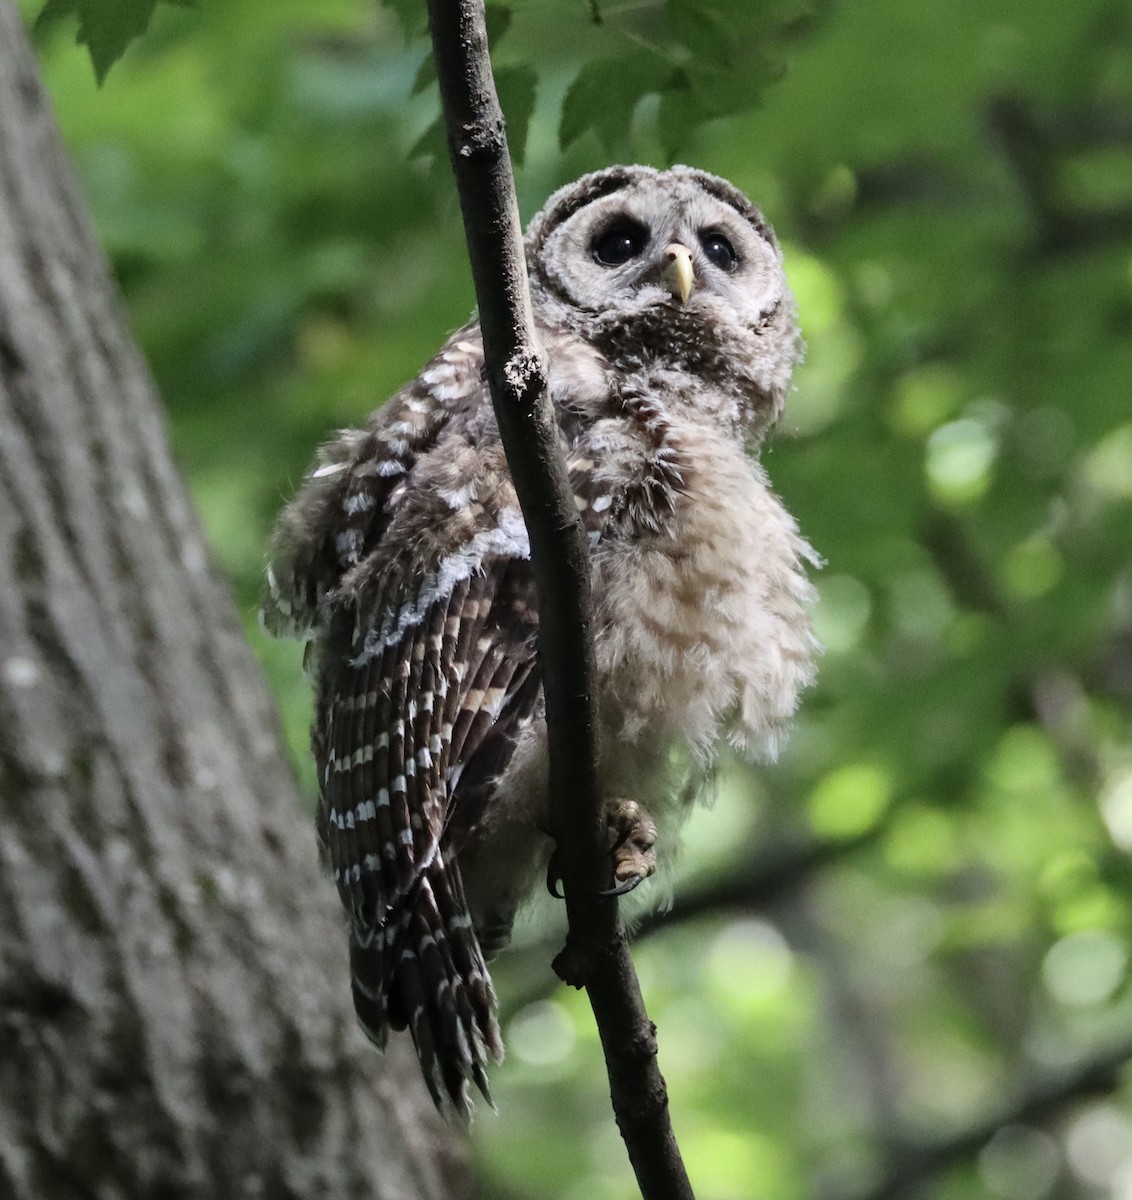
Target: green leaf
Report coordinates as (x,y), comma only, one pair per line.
(106,27)
(516,87)
(498,20)
(426,74)
(412,14)
(722,93)
(432,143)
(697,25)
(679,116)
(605,94)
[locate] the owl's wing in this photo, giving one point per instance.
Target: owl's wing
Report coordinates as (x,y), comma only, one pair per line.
(428,676)
(407,556)
(341,511)
(434,667)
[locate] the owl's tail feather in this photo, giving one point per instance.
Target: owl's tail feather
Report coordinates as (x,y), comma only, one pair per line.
(428,973)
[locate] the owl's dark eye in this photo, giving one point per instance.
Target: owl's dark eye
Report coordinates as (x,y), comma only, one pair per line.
(619,242)
(719,251)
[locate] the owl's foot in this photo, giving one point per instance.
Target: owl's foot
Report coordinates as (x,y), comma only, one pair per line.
(632,837)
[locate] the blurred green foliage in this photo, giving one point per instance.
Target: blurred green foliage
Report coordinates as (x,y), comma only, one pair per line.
(105,27)
(953,187)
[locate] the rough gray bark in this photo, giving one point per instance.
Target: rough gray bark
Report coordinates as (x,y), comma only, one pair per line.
(175,1019)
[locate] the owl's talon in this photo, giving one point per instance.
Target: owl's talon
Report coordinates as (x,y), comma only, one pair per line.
(634,836)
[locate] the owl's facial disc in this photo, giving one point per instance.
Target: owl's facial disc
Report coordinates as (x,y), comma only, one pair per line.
(645,248)
(669,270)
(673,265)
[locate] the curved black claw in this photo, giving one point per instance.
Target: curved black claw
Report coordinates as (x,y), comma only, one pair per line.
(554,876)
(623,889)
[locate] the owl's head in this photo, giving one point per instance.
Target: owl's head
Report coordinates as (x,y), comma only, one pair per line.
(674,269)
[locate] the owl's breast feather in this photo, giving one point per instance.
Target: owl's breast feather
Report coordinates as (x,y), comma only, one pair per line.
(704,631)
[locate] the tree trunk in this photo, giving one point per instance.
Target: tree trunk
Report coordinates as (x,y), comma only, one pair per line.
(175,1017)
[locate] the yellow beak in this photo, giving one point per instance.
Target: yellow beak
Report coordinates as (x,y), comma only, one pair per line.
(678,275)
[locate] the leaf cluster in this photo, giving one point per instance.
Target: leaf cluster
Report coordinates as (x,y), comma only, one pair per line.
(697,59)
(106,27)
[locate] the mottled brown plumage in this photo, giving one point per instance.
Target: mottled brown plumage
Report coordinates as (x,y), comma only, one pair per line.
(404,560)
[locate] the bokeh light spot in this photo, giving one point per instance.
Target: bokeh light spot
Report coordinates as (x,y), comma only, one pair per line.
(850,800)
(960,456)
(1108,467)
(1031,568)
(1020,1163)
(1085,968)
(541,1034)
(1116,808)
(1099,1144)
(749,963)
(728,1165)
(925,397)
(842,613)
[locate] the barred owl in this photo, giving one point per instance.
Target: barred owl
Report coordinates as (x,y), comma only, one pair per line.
(661,305)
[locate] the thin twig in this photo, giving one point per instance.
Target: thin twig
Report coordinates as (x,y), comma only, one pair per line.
(1035,152)
(595,956)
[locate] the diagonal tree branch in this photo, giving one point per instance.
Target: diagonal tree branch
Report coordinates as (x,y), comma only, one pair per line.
(772,879)
(596,955)
(1041,1100)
